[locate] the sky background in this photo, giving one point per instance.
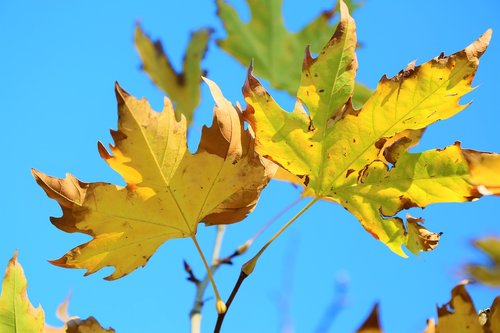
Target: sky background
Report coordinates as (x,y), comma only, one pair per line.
(58,64)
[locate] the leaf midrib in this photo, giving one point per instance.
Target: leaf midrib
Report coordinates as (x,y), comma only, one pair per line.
(167,185)
(324,129)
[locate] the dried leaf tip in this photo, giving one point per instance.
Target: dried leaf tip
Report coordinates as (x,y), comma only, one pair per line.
(308,59)
(344,10)
(479,46)
(14,257)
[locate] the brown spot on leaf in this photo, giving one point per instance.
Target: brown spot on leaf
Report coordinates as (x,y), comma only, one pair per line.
(305,179)
(349,172)
(380,143)
(406,203)
(311,127)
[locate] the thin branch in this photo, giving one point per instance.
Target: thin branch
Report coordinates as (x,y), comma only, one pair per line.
(283,301)
(219,236)
(220,318)
(337,304)
(249,266)
(201,285)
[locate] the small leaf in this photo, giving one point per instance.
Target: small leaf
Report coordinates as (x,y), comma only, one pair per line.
(360,158)
(371,324)
(16,312)
(89,325)
(169,190)
(277,53)
(182,88)
(490,274)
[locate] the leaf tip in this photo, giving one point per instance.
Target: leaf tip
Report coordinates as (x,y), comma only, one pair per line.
(61,262)
(103,152)
(343,9)
(479,46)
(14,257)
(308,59)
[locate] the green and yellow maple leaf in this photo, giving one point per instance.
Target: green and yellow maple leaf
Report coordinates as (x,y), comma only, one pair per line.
(277,52)
(16,312)
(359,158)
(489,275)
(183,88)
(169,189)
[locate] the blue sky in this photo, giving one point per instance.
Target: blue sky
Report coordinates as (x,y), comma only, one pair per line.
(58,65)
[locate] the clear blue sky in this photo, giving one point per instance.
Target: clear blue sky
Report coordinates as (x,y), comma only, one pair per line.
(58,64)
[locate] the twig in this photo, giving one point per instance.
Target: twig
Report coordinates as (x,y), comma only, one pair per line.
(284,295)
(249,266)
(336,305)
(219,236)
(201,285)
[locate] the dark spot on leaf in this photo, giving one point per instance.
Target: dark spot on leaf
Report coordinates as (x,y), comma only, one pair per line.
(349,172)
(305,179)
(321,90)
(311,126)
(315,74)
(380,143)
(407,203)
(473,194)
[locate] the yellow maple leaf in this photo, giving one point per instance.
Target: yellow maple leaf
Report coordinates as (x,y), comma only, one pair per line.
(460,315)
(359,158)
(169,189)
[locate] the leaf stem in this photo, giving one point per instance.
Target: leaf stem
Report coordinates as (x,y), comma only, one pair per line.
(249,266)
(220,306)
(195,313)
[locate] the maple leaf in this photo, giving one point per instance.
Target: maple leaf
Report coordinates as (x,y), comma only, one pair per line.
(489,275)
(457,316)
(16,312)
(460,315)
(359,158)
(169,190)
(275,50)
(182,88)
